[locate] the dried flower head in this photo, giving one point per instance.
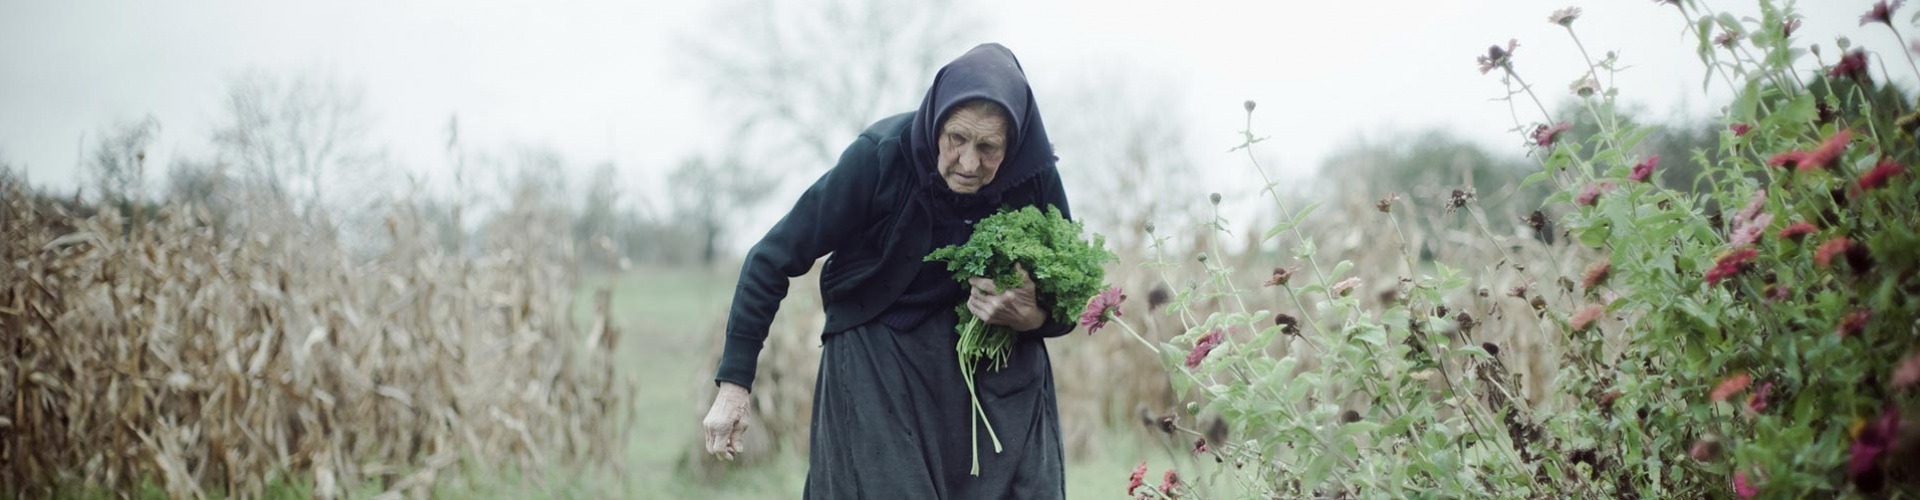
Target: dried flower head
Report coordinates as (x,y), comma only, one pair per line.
(1852,65)
(1345,286)
(1787,28)
(1564,17)
(1385,205)
(1586,86)
(1249,105)
(1159,296)
(1101,308)
(1287,323)
(1280,277)
(1460,199)
(1497,57)
(1853,322)
(1881,13)
(1596,275)
(1705,449)
(1730,386)
(1536,221)
(1728,39)
(1544,135)
(1585,317)
(1644,170)
(1878,176)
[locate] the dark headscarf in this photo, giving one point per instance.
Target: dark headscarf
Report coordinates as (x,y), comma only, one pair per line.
(988,72)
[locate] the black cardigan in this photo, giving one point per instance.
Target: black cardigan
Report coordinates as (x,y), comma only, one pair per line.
(862,212)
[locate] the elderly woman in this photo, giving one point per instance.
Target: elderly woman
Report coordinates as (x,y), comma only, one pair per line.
(890,410)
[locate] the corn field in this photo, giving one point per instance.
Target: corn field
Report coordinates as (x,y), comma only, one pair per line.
(155,350)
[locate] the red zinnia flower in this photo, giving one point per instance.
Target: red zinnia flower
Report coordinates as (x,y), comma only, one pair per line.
(1798,231)
(1730,386)
(1544,135)
(1731,264)
(1757,402)
(1788,159)
(1204,346)
(1743,487)
(1881,13)
(1873,441)
(1592,193)
(1828,151)
(1853,322)
(1169,483)
(1852,65)
(1596,274)
(1740,129)
(1137,479)
(1103,307)
(1877,177)
(1644,170)
(1823,257)
(1585,317)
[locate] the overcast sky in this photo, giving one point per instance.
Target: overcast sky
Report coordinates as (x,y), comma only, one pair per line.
(598,80)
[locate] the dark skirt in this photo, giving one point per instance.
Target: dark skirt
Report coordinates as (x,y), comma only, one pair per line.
(891,417)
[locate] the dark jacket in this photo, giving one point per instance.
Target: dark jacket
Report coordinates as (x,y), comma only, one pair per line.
(863,213)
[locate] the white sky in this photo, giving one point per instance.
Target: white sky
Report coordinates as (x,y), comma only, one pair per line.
(599,80)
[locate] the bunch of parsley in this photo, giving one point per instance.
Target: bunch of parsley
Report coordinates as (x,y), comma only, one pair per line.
(1067,271)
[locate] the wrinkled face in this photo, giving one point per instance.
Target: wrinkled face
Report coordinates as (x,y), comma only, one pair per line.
(973,140)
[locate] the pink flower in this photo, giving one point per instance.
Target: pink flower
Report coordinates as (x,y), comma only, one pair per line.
(1839,245)
(1497,57)
(1881,13)
(1873,441)
(1204,346)
(1585,317)
(1644,170)
(1592,193)
(1757,402)
(1280,277)
(1138,478)
(1345,286)
(1853,322)
(1877,177)
(1907,374)
(1740,129)
(1828,151)
(1743,487)
(1596,274)
(1103,307)
(1798,231)
(1748,232)
(1852,65)
(1727,39)
(1788,159)
(1731,264)
(1787,28)
(1731,385)
(1169,483)
(1544,135)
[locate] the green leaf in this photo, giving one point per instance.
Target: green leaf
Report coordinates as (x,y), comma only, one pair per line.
(1317,471)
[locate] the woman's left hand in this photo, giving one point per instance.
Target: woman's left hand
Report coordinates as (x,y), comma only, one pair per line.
(1017,308)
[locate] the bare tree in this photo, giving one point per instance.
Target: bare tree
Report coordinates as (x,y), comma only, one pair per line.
(816,72)
(1127,143)
(119,164)
(706,192)
(296,136)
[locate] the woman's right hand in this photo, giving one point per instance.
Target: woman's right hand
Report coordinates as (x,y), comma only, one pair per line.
(726,421)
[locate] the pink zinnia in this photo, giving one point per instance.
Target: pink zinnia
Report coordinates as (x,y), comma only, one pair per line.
(1881,13)
(1138,478)
(1596,274)
(1828,151)
(1852,65)
(1853,322)
(1544,135)
(1823,257)
(1731,385)
(1731,264)
(1644,170)
(1798,231)
(1592,193)
(1740,129)
(1907,374)
(1169,483)
(1204,346)
(1873,441)
(1585,317)
(1743,487)
(1877,177)
(1103,307)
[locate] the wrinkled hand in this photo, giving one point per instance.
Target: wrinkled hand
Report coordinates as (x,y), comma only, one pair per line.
(1017,308)
(726,421)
